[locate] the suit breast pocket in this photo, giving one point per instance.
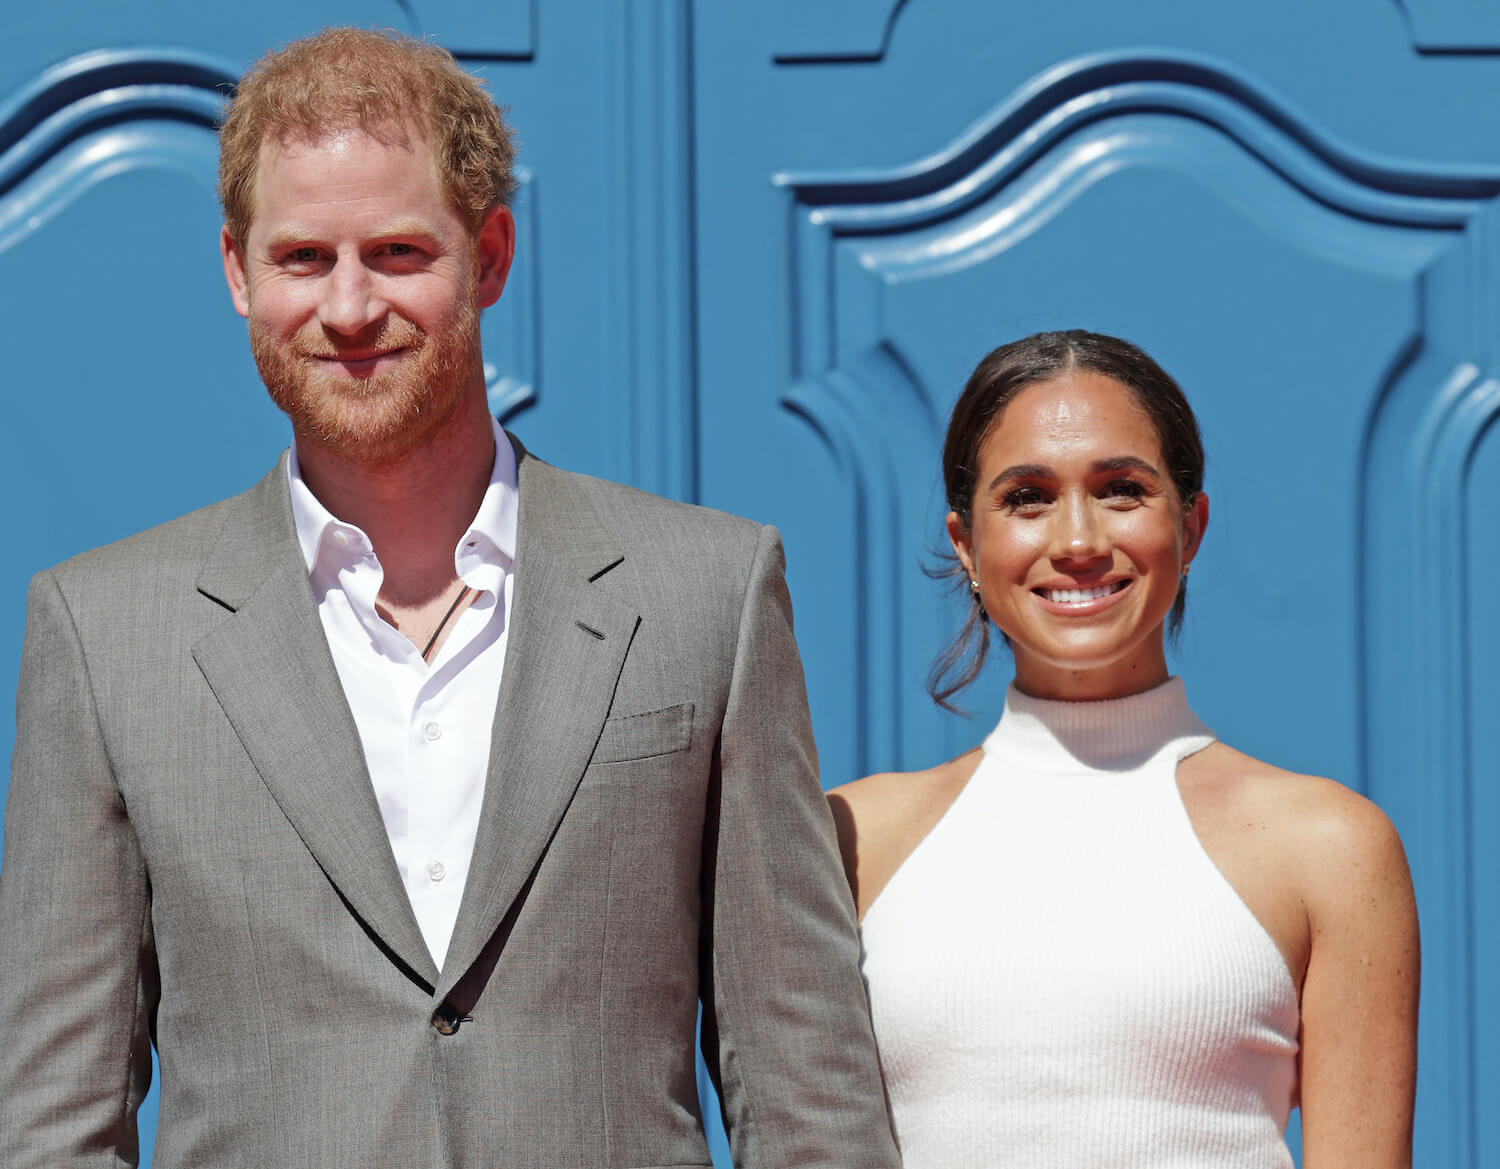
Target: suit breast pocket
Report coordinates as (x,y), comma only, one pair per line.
(643,736)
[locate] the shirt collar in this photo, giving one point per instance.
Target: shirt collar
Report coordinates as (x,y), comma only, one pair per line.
(489,543)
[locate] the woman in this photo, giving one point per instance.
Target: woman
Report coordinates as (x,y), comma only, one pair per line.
(1103,938)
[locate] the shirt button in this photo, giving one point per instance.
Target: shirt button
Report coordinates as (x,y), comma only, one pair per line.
(432,732)
(437,870)
(341,537)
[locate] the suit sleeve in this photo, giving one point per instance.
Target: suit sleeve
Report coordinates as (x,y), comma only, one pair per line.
(786,1022)
(75,942)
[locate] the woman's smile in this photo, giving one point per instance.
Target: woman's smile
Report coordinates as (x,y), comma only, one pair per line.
(1075,599)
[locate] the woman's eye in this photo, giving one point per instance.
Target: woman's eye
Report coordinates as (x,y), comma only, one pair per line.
(1125,489)
(1025,498)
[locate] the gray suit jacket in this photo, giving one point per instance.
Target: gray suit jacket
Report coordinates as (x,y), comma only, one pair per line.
(193,853)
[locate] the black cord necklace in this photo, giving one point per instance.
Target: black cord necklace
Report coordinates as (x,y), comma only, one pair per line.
(432,641)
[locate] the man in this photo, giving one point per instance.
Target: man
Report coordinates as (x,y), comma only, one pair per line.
(410,801)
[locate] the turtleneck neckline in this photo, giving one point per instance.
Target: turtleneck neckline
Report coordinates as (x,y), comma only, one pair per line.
(1047,736)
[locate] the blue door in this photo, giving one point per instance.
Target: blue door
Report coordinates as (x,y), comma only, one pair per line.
(1293,206)
(761,246)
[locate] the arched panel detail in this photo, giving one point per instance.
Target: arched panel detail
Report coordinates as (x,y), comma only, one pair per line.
(1420,763)
(499,30)
(855,237)
(100,113)
(510,330)
(87,89)
(1453,26)
(833,30)
(837,405)
(649,263)
(1085,89)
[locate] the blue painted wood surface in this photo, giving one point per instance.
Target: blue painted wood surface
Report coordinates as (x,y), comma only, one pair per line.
(762,245)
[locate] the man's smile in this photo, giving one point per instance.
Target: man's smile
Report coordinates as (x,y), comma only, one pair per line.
(359,362)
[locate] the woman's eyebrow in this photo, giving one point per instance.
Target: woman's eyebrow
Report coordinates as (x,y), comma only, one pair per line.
(1125,463)
(1022,471)
(1098,466)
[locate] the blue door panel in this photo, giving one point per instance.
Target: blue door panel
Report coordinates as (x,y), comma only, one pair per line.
(129,394)
(1481,790)
(1303,237)
(43,34)
(122,409)
(602,122)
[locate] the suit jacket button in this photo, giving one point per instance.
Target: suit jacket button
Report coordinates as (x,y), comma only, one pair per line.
(445,1020)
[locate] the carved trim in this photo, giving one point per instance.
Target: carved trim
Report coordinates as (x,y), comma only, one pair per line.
(1088,89)
(837,406)
(1452,26)
(511,329)
(65,98)
(84,119)
(1424,439)
(834,31)
(504,31)
(650,341)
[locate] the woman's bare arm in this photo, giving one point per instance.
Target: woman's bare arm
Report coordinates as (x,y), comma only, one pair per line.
(1359,996)
(882,818)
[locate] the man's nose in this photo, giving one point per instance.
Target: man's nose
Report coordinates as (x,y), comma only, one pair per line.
(350,301)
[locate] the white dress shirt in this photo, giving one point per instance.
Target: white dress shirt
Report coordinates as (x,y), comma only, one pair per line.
(425,729)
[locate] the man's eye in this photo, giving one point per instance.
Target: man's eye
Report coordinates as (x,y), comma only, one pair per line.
(401,249)
(304,255)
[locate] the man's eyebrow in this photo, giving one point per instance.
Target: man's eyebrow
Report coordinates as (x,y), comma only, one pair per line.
(292,234)
(416,227)
(284,237)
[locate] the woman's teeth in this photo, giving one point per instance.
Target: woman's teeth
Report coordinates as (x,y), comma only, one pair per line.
(1078,596)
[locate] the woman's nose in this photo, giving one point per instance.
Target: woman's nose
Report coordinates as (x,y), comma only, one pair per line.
(1078,535)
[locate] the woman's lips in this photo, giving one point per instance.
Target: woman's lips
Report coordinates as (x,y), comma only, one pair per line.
(1075,599)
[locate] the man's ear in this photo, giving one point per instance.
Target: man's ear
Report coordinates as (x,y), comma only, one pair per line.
(235,274)
(494,249)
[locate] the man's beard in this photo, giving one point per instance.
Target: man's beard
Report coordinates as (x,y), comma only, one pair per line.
(380,417)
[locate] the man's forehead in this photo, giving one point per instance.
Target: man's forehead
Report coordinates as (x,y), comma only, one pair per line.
(397,134)
(390,172)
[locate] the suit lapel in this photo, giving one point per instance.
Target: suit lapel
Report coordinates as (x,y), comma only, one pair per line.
(270,669)
(566,646)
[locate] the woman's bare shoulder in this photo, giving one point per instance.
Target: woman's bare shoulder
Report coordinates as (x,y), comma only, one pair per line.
(898,793)
(882,818)
(1320,824)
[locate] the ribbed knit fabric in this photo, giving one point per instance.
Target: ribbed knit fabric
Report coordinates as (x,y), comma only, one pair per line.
(1058,974)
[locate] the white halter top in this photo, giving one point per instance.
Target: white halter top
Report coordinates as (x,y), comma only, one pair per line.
(1059,976)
